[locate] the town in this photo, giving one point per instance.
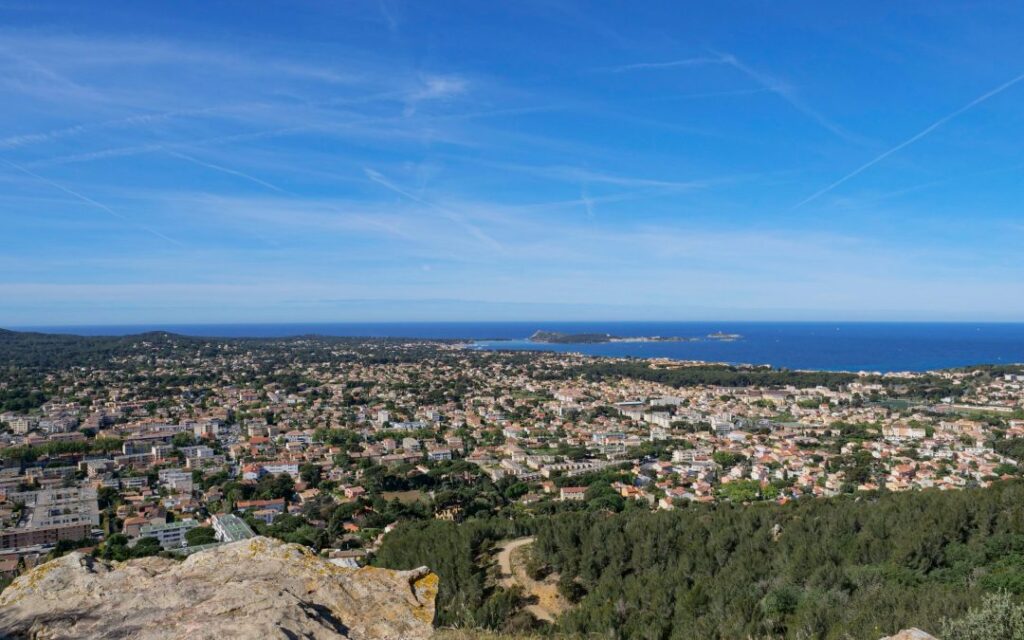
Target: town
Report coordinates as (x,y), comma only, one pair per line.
(173,445)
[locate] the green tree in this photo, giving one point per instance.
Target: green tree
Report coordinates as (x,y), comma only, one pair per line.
(183,439)
(998,618)
(200,535)
(311,474)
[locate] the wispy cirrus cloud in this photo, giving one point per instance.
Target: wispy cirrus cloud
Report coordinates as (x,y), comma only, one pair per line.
(435,87)
(382,162)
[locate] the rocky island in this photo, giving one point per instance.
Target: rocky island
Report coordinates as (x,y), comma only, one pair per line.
(725,337)
(557,337)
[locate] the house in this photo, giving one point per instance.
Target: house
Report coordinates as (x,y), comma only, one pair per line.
(410,444)
(8,566)
(354,492)
(572,493)
(276,468)
(276,506)
(133,525)
(436,455)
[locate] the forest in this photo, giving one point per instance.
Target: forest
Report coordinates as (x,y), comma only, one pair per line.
(856,567)
(53,351)
(923,387)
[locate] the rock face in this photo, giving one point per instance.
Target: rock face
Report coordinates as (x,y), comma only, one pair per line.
(258,588)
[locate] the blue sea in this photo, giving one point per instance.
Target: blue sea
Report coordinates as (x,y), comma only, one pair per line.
(833,346)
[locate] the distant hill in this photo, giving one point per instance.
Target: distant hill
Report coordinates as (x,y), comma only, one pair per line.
(48,350)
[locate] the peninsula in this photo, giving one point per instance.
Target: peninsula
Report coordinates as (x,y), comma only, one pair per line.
(556,337)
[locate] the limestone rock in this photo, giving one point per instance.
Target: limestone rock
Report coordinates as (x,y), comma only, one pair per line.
(257,588)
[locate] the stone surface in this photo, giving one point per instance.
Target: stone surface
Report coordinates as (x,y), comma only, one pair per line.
(258,588)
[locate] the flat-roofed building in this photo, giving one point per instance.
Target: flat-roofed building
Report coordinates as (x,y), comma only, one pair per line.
(52,515)
(231,528)
(170,534)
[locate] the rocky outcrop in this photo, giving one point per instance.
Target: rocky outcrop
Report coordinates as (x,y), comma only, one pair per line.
(258,588)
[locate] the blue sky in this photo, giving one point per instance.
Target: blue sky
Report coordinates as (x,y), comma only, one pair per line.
(387,160)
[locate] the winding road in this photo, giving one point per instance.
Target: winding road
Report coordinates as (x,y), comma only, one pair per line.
(550,602)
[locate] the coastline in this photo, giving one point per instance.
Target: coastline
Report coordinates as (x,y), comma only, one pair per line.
(811,346)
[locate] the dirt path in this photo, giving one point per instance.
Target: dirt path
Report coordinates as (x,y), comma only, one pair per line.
(550,602)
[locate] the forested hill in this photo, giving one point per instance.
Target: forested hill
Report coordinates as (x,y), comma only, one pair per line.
(52,350)
(851,568)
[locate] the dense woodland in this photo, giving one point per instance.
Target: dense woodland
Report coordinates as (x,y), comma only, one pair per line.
(457,553)
(851,567)
(926,387)
(725,376)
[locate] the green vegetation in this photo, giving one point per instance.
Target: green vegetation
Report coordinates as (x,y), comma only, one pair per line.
(1010,447)
(999,617)
(19,395)
(714,375)
(747,491)
(117,548)
(465,597)
(556,337)
(57,449)
(200,535)
(858,567)
(848,567)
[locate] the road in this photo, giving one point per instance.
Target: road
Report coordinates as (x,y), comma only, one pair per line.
(550,602)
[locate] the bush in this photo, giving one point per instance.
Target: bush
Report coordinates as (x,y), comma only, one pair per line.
(998,618)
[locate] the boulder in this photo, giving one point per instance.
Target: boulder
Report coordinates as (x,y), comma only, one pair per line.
(911,634)
(257,588)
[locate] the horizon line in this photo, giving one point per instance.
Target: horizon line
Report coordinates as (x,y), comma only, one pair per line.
(151,325)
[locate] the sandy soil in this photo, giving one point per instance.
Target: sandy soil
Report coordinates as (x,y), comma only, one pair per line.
(511,563)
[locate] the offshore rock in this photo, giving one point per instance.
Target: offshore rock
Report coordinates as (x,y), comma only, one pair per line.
(257,588)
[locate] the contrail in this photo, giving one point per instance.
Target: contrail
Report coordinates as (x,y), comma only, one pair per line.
(21,140)
(217,167)
(909,141)
(475,231)
(685,62)
(116,152)
(782,90)
(90,201)
(766,82)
